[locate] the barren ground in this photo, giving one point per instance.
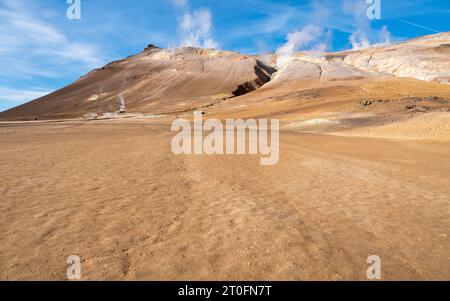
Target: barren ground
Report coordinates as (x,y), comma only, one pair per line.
(114,194)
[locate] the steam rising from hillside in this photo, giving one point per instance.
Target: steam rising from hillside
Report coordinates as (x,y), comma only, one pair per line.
(123,108)
(195,26)
(363,36)
(309,38)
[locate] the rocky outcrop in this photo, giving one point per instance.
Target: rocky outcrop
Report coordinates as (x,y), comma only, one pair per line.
(169,81)
(426,58)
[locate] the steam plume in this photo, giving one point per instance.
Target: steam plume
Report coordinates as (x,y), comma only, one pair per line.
(195,26)
(306,39)
(123,108)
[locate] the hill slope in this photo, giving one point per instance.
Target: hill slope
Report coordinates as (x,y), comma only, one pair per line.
(155,81)
(382,84)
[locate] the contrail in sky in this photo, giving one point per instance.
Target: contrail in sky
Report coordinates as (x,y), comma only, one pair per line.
(420,26)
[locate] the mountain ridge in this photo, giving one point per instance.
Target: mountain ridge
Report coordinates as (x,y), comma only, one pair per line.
(172,81)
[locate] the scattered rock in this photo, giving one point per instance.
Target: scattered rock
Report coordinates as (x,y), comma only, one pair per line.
(367,103)
(151,47)
(435,99)
(428,98)
(443,48)
(418,109)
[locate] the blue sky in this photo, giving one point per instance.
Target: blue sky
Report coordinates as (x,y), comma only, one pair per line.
(41,50)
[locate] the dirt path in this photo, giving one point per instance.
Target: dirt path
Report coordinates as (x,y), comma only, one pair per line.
(116,196)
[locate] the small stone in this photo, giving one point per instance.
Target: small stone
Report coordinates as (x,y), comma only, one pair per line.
(418,109)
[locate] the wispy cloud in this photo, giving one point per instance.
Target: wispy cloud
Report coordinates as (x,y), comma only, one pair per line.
(36,52)
(21,96)
(28,43)
(39,47)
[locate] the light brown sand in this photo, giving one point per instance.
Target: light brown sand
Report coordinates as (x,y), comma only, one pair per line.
(114,194)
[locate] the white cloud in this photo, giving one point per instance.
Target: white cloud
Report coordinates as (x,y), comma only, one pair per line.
(34,50)
(29,44)
(21,96)
(180,3)
(274,23)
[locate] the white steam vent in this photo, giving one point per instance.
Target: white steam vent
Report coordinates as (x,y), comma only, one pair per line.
(123,108)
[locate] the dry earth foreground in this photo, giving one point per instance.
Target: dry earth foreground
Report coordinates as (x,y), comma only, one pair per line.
(364,169)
